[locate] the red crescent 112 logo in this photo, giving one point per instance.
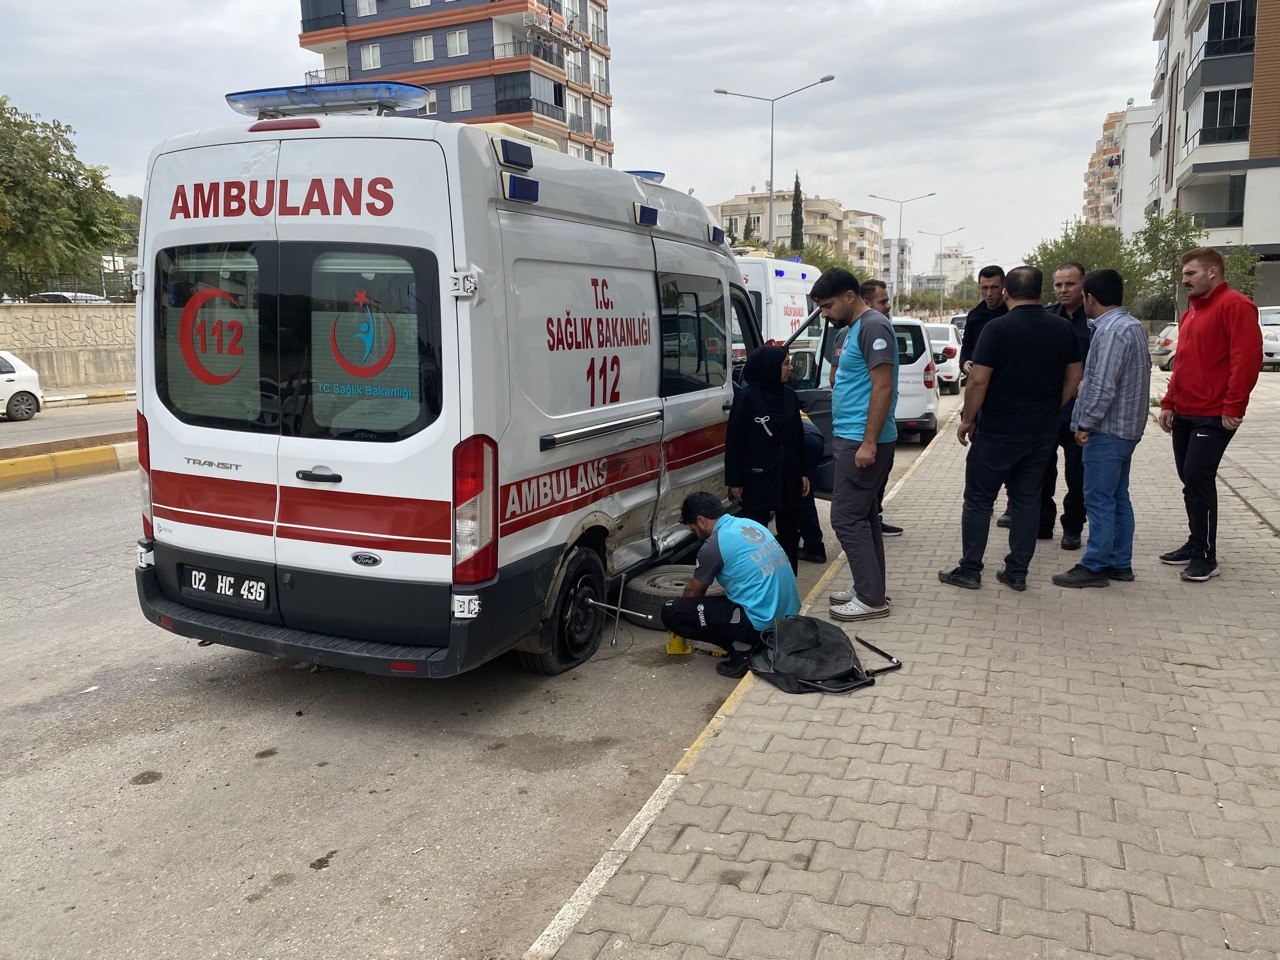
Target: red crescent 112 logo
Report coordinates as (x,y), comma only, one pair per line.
(195,337)
(367,326)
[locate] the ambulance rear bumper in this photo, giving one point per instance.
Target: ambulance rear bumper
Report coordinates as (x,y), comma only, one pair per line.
(470,642)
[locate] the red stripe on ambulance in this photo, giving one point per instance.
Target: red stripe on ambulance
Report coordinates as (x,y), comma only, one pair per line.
(533,500)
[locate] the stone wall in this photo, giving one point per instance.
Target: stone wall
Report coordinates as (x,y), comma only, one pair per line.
(71,345)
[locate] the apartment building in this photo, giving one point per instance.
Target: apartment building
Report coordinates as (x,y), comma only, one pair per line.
(542,65)
(895,265)
(853,235)
(1100,180)
(1215,150)
(1115,191)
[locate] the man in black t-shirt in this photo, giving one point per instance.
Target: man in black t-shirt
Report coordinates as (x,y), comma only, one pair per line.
(1026,367)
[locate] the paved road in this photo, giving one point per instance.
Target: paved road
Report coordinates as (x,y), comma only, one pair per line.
(63,423)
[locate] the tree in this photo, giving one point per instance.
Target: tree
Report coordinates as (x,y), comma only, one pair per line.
(1095,247)
(749,231)
(56,213)
(1241,275)
(797,215)
(1158,248)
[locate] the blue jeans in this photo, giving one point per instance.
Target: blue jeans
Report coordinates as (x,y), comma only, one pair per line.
(1106,501)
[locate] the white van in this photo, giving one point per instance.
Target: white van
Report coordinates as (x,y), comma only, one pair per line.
(779,291)
(412,394)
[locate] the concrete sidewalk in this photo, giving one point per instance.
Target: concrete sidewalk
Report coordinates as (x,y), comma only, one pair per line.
(1057,773)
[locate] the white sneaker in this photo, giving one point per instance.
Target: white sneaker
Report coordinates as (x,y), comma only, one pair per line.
(855,609)
(844,596)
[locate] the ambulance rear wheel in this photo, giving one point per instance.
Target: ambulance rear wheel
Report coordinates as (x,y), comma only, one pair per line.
(575,626)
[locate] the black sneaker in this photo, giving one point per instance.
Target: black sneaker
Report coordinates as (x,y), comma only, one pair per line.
(1012,582)
(1082,576)
(889,530)
(812,556)
(1179,557)
(957,578)
(1004,520)
(735,668)
(1070,541)
(1123,574)
(1200,569)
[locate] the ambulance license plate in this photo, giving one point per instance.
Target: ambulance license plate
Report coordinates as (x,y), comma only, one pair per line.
(226,587)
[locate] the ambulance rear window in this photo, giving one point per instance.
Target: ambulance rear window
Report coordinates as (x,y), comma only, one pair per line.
(328,341)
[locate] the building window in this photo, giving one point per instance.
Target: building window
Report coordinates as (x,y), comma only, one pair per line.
(1225,118)
(424,48)
(419,3)
(370,56)
(460,98)
(428,109)
(784,219)
(457,42)
(575,149)
(366,8)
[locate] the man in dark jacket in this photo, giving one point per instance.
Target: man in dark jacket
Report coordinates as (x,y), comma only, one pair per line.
(1068,287)
(1025,368)
(991,287)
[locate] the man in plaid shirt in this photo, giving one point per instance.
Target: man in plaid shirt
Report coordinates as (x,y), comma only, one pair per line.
(1110,415)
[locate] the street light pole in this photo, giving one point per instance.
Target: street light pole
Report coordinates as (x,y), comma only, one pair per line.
(771,101)
(942,281)
(897,263)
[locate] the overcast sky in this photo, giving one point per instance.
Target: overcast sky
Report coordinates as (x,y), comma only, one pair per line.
(994,105)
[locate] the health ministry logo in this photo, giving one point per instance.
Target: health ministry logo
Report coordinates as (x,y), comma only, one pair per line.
(366,335)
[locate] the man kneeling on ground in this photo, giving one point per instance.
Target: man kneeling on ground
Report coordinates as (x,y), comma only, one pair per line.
(754,571)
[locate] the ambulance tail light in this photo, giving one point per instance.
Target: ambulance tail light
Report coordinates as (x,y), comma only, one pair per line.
(144,476)
(949,352)
(475,510)
(930,375)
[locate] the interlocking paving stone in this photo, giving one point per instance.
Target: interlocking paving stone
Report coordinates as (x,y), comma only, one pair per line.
(1049,776)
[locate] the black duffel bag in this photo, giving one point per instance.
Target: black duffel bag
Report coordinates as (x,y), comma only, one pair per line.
(807,655)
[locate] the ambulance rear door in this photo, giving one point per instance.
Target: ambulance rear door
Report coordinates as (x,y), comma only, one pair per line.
(369,355)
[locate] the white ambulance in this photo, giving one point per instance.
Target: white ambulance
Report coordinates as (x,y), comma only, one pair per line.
(779,291)
(412,394)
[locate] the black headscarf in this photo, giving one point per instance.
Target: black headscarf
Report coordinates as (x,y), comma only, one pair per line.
(764,369)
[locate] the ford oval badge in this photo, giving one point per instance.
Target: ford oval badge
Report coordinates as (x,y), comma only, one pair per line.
(366,559)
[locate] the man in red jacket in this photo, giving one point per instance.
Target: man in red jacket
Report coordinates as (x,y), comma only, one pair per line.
(1219,356)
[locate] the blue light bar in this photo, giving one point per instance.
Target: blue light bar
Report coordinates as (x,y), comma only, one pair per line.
(779,273)
(715,235)
(653,176)
(521,189)
(646,216)
(382,96)
(518,155)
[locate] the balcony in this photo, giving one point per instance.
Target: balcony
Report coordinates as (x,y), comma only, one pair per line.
(546,52)
(530,105)
(601,132)
(575,74)
(323,23)
(599,36)
(1220,219)
(579,124)
(331,75)
(600,84)
(1239,133)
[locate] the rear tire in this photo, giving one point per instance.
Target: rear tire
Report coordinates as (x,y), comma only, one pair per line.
(575,626)
(648,591)
(22,406)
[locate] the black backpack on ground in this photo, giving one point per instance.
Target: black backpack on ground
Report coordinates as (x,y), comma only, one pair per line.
(807,655)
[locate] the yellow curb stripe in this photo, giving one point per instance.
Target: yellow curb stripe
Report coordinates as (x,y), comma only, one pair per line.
(24,471)
(67,465)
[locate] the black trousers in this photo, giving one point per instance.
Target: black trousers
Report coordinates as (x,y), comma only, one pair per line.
(786,524)
(1198,446)
(993,462)
(1073,513)
(715,620)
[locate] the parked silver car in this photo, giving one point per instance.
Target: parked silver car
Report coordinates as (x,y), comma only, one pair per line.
(1166,345)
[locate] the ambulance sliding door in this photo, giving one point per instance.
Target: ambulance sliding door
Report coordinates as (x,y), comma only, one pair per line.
(696,385)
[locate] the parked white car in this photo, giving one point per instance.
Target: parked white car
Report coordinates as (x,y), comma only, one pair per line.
(944,338)
(1269,317)
(917,409)
(20,396)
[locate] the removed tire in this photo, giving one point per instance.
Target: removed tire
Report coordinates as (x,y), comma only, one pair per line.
(22,406)
(646,592)
(575,625)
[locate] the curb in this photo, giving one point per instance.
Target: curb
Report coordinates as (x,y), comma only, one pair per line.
(67,465)
(80,399)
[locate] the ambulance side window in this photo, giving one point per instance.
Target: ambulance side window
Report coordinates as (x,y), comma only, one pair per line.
(695,335)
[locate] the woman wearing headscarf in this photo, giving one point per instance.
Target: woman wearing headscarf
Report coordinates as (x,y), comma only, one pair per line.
(764,464)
